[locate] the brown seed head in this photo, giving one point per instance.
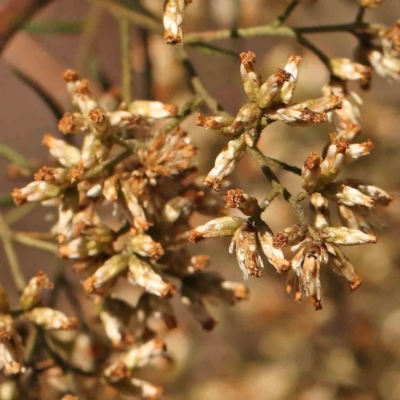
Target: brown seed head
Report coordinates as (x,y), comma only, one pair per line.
(70,75)
(312,162)
(97,116)
(66,124)
(280,240)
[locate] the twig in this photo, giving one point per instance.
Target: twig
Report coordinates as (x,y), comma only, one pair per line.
(287,12)
(11,254)
(18,213)
(37,243)
(12,155)
(197,84)
(124,26)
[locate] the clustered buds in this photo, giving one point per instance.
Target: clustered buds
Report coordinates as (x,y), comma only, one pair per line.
(12,347)
(126,196)
(144,176)
(269,101)
(385,56)
(314,244)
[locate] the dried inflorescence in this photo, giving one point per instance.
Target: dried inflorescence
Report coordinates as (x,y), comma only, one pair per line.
(126,196)
(269,102)
(147,177)
(317,242)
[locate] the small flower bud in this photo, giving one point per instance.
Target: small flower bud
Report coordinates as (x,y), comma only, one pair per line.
(31,295)
(334,159)
(379,195)
(142,273)
(50,319)
(124,119)
(140,356)
(173,21)
(106,274)
(288,87)
(236,198)
(219,122)
(297,115)
(272,87)
(348,117)
(11,349)
(81,247)
(71,78)
(311,173)
(99,123)
(55,176)
(83,97)
(225,162)
(347,195)
(111,188)
(67,155)
(94,151)
(73,123)
(310,278)
(145,246)
(346,237)
(357,150)
(387,67)
(219,227)
(180,206)
(251,80)
(345,69)
(35,191)
(244,244)
(153,109)
(342,266)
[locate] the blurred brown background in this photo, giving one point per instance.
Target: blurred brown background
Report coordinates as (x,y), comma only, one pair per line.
(268,348)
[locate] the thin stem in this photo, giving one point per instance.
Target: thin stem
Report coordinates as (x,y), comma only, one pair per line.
(360,15)
(322,56)
(12,155)
(20,212)
(6,200)
(124,26)
(11,255)
(197,84)
(134,15)
(273,162)
(287,12)
(36,243)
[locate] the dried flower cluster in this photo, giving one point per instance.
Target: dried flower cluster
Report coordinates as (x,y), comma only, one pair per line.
(317,242)
(126,196)
(147,176)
